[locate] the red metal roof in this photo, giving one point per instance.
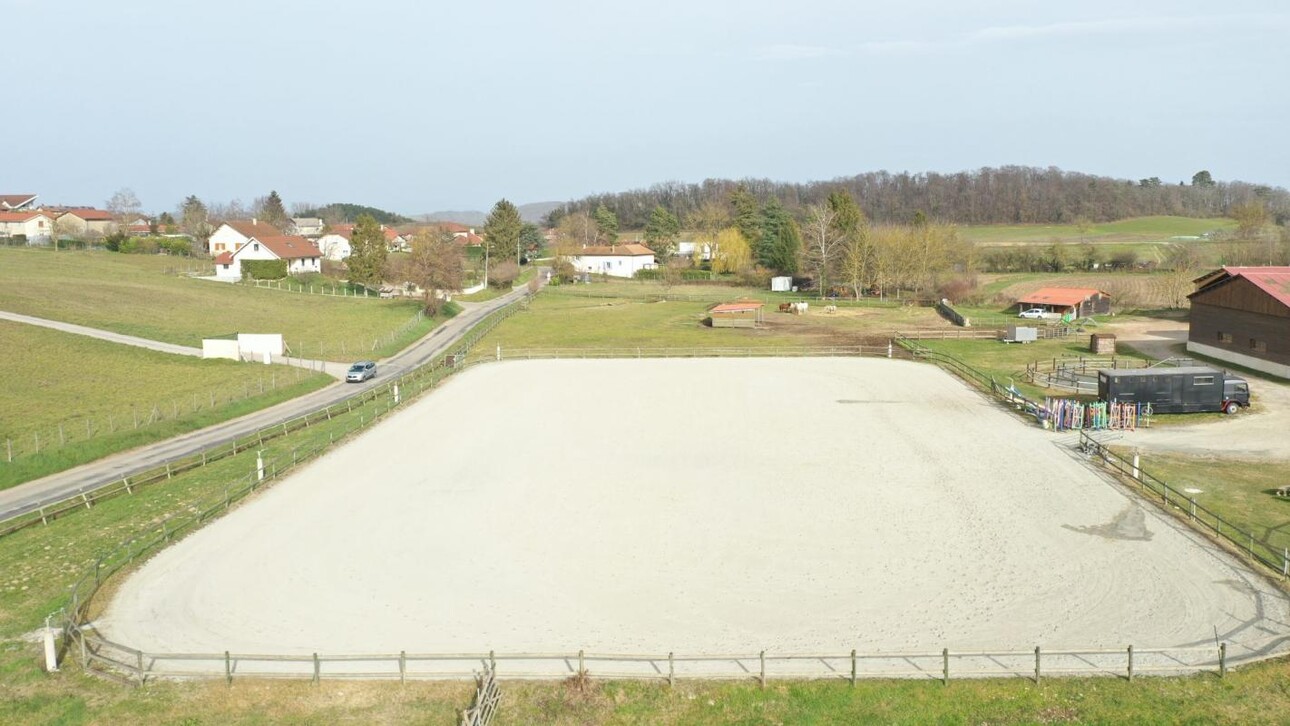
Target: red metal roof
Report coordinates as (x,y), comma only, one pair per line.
(1059,296)
(1275,281)
(736,307)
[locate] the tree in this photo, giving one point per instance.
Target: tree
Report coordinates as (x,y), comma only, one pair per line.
(1202,178)
(367,255)
(194,221)
(606,225)
(747,212)
(732,253)
(1184,263)
(575,230)
(705,223)
(124,205)
(502,231)
(661,232)
(856,263)
(270,209)
(1250,218)
(437,265)
(504,275)
(531,240)
(781,239)
(822,239)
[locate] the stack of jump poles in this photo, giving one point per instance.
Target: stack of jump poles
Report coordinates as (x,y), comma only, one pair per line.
(1071,415)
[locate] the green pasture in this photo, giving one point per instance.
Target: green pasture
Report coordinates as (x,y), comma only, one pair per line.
(1139,230)
(131,294)
(69,399)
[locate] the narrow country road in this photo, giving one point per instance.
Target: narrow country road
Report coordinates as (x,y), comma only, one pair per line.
(32,495)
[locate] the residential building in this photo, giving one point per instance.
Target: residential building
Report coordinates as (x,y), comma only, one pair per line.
(231,236)
(307,226)
(85,221)
(301,255)
(37,227)
(614,260)
(16,202)
(1241,315)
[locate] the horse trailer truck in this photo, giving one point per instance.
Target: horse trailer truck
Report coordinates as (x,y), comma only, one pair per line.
(1175,390)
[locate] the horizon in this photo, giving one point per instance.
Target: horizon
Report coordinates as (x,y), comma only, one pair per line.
(554,103)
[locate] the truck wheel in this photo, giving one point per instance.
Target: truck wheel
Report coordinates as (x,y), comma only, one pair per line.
(1231,407)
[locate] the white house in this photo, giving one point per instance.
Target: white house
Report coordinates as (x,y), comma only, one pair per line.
(231,236)
(307,226)
(690,249)
(616,260)
(37,226)
(335,244)
(301,255)
(15,202)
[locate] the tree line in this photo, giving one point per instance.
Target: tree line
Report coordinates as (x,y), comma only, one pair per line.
(1003,195)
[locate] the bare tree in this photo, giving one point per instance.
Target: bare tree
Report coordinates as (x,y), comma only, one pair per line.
(822,242)
(124,205)
(437,265)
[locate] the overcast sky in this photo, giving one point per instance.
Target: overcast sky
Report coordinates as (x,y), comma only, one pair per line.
(418,106)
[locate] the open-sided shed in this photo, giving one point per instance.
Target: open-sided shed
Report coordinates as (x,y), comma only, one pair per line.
(741,314)
(1078,301)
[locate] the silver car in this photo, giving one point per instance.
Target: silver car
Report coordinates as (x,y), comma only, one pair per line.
(361,371)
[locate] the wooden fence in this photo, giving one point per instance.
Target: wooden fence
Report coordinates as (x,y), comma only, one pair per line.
(134,666)
(488,695)
(852,351)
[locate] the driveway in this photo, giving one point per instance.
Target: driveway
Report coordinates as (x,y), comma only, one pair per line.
(1255,433)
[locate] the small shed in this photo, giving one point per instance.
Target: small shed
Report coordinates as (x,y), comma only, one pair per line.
(781,284)
(1102,344)
(1077,301)
(742,314)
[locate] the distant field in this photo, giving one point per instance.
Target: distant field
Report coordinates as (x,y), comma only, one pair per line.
(1154,230)
(97,391)
(132,294)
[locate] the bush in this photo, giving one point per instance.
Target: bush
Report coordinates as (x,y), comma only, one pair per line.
(503,275)
(264,269)
(755,277)
(176,246)
(652,274)
(957,289)
(696,275)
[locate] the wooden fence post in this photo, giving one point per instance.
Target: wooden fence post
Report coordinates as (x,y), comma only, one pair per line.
(853,667)
(671,669)
(1036,665)
(1222,660)
(403,666)
(317,670)
(763,669)
(945,666)
(582,669)
(228,668)
(1130,664)
(138,666)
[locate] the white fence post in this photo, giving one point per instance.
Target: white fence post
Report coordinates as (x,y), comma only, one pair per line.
(259,466)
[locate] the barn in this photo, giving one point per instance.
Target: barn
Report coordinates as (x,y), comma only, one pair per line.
(1078,301)
(1242,315)
(740,314)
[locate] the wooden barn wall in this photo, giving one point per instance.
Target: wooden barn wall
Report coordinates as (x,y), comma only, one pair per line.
(1208,320)
(1241,294)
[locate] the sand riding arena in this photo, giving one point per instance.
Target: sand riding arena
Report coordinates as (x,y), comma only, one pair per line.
(702,508)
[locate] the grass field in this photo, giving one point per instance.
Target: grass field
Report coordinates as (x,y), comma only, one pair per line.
(1139,230)
(96,390)
(40,564)
(131,294)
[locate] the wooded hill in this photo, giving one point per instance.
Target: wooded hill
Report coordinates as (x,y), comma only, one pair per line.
(1004,195)
(344,213)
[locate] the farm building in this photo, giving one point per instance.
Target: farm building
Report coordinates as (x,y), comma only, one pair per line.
(1078,301)
(614,260)
(1242,315)
(742,314)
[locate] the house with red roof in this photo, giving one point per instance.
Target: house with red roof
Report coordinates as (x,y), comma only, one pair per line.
(232,235)
(37,227)
(335,244)
(614,260)
(300,254)
(1080,302)
(81,221)
(1242,315)
(17,202)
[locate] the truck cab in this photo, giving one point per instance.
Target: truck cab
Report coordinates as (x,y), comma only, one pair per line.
(1235,391)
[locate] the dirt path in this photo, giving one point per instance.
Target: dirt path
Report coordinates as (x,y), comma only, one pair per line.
(1255,433)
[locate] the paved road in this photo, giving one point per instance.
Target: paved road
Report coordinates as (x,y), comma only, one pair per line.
(336,370)
(34,494)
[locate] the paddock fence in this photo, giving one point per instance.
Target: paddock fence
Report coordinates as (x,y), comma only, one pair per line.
(409,385)
(129,665)
(1079,373)
(1184,505)
(1007,395)
(853,351)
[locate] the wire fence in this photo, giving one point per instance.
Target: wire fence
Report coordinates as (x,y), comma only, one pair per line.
(345,350)
(1183,504)
(328,289)
(79,430)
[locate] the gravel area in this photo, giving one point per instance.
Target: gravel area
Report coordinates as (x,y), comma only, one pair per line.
(696,506)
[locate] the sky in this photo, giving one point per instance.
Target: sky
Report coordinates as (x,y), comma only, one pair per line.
(417,106)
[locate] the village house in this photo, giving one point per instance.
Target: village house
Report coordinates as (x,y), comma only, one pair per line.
(1242,315)
(300,254)
(37,227)
(307,226)
(16,202)
(335,245)
(231,236)
(614,260)
(85,221)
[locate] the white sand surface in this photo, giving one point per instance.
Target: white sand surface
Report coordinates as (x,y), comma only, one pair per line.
(696,506)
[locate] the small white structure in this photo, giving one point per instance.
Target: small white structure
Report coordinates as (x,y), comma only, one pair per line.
(614,260)
(307,226)
(247,346)
(36,226)
(781,284)
(690,249)
(300,254)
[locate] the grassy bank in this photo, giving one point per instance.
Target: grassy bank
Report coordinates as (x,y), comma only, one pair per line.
(70,399)
(131,294)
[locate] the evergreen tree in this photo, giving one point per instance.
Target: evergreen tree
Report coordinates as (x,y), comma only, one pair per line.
(781,239)
(747,216)
(661,232)
(502,231)
(273,211)
(366,260)
(531,240)
(606,225)
(194,220)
